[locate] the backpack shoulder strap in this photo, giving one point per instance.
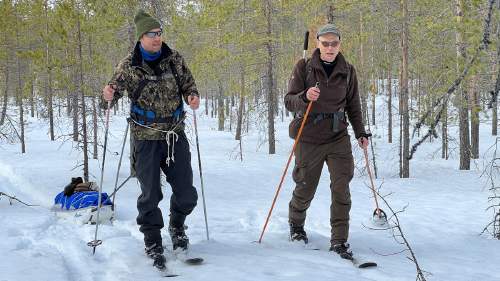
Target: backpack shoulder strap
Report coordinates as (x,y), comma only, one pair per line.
(306,69)
(349,69)
(176,75)
(180,109)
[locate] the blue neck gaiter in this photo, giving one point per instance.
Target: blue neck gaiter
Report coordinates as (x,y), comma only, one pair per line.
(147,56)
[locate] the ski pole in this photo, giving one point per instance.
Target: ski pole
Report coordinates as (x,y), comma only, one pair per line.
(379,212)
(201,173)
(286,169)
(118,169)
(304,54)
(120,186)
(97,242)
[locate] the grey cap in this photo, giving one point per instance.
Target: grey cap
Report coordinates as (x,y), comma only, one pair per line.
(328,28)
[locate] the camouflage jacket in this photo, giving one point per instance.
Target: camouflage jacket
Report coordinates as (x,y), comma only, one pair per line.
(160,95)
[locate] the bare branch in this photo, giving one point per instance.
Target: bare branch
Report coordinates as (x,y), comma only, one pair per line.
(399,234)
(11,198)
(443,99)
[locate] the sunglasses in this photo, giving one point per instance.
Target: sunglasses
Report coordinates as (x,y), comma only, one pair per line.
(153,34)
(327,44)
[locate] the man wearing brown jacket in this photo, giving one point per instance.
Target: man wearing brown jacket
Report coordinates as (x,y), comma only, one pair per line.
(330,83)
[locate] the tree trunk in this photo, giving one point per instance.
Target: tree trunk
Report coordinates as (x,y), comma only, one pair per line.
(462,95)
(19,91)
(82,94)
(32,97)
(69,100)
(389,104)
(494,103)
(48,86)
(444,144)
(475,107)
(213,106)
(374,80)
(400,142)
(74,110)
(96,128)
(229,112)
(362,82)
(241,105)
(271,87)
(374,95)
(220,107)
(5,95)
(95,88)
(206,103)
(404,93)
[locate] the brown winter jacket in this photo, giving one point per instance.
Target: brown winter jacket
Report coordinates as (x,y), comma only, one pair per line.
(335,95)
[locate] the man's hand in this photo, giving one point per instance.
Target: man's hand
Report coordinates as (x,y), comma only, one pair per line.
(108,92)
(363,142)
(312,94)
(194,102)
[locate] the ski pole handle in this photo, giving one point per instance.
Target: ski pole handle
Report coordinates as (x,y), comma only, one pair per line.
(306,44)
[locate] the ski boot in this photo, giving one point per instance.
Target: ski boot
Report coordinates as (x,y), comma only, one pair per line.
(297,233)
(155,252)
(179,238)
(343,250)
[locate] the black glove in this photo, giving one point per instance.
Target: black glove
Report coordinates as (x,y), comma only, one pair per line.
(364,135)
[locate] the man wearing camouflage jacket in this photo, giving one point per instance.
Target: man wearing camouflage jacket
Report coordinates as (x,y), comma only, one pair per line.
(158,82)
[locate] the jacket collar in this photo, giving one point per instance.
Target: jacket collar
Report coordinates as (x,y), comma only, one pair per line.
(137,56)
(341,66)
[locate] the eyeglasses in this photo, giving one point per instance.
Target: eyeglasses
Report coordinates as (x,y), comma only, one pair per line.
(327,44)
(152,34)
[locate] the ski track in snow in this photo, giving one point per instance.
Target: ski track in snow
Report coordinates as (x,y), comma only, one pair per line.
(444,215)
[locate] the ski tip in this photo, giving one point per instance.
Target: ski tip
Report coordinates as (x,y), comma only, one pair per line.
(367,264)
(165,272)
(194,261)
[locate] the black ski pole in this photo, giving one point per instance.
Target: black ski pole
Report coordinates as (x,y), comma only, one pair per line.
(201,173)
(97,242)
(118,170)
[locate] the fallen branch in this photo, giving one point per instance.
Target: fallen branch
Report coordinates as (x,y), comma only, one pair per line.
(397,232)
(12,198)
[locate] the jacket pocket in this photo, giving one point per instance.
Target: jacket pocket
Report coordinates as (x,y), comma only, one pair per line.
(294,126)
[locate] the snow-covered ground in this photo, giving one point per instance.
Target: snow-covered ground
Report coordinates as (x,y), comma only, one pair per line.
(444,215)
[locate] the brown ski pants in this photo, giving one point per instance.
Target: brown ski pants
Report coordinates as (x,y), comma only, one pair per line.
(309,160)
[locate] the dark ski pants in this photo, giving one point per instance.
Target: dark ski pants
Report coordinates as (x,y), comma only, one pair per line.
(309,160)
(150,156)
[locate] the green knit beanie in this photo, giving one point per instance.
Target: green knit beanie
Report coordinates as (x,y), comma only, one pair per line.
(144,23)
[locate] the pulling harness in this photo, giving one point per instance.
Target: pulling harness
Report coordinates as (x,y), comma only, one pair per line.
(148,118)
